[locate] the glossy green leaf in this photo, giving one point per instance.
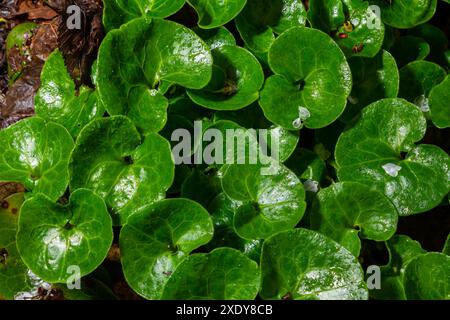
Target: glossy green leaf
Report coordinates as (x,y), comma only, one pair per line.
(128,172)
(416,81)
(262,19)
(405,14)
(119,12)
(235,83)
(57,100)
(140,61)
(270,203)
(52,238)
(303,264)
(402,250)
(307,165)
(216,38)
(216,13)
(311,83)
(373,152)
(408,49)
(427,277)
(201,187)
(326,15)
(155,241)
(35,153)
(223,274)
(344,211)
(373,79)
(13,271)
(439,98)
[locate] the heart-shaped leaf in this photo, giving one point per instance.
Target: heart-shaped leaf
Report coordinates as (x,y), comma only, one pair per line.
(416,81)
(348,209)
(236,80)
(270,203)
(119,12)
(402,250)
(405,14)
(140,61)
(427,277)
(372,152)
(216,13)
(35,153)
(56,99)
(128,173)
(373,79)
(303,264)
(439,106)
(154,242)
(223,274)
(311,83)
(52,239)
(216,38)
(12,270)
(260,20)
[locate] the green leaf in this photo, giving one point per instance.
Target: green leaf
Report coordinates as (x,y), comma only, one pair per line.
(446,249)
(235,83)
(35,153)
(408,49)
(57,101)
(13,271)
(201,187)
(128,173)
(311,83)
(439,106)
(307,165)
(119,12)
(216,38)
(303,264)
(140,61)
(427,277)
(373,152)
(326,15)
(402,250)
(262,19)
(17,39)
(91,289)
(437,40)
(223,274)
(373,79)
(405,14)
(216,13)
(52,238)
(344,211)
(416,81)
(270,203)
(222,210)
(154,242)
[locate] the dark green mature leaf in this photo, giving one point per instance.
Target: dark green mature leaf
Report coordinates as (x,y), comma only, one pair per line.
(223,274)
(437,40)
(303,264)
(140,61)
(439,98)
(405,14)
(371,153)
(262,19)
(373,79)
(408,49)
(118,12)
(12,270)
(53,238)
(348,209)
(270,203)
(311,83)
(236,80)
(402,250)
(216,38)
(326,15)
(416,81)
(35,153)
(222,210)
(427,277)
(154,242)
(216,13)
(128,173)
(201,187)
(307,165)
(57,101)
